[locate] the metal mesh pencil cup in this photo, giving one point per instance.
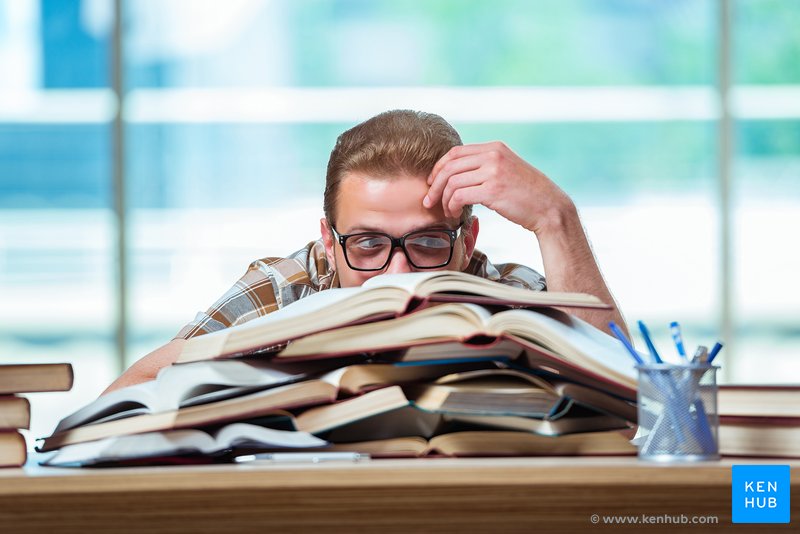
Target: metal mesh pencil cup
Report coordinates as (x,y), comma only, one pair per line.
(678,419)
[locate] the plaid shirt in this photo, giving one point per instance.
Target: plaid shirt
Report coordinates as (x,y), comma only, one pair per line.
(272,283)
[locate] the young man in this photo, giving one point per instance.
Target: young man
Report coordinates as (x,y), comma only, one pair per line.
(398,197)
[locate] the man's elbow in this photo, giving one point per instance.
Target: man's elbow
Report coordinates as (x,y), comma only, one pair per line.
(149,366)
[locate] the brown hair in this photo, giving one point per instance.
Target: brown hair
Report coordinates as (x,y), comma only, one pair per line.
(394,142)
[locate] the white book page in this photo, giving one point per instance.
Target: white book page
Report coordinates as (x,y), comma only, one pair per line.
(171,442)
(178,384)
(557,331)
(238,434)
(327,299)
(406,281)
(319,311)
(133,446)
(143,394)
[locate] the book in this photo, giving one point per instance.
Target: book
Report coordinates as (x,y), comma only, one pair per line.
(181,386)
(15,412)
(578,422)
(765,437)
(309,392)
(547,339)
(380,297)
(28,378)
(759,400)
(233,440)
(98,419)
(186,442)
(13,451)
(512,392)
(499,443)
(388,412)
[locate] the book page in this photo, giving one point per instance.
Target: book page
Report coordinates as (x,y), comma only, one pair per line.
(317,312)
(438,323)
(574,339)
(406,281)
(131,399)
(179,442)
(463,287)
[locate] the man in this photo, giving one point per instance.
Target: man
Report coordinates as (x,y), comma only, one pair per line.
(398,198)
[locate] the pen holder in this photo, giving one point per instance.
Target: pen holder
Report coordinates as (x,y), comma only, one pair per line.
(678,419)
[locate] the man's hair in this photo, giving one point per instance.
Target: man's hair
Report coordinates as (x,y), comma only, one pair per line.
(398,142)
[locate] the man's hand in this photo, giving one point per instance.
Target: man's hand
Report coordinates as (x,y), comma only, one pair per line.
(493,175)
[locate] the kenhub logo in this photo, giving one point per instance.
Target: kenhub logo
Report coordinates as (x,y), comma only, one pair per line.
(760,494)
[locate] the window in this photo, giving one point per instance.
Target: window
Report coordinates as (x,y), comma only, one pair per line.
(230,111)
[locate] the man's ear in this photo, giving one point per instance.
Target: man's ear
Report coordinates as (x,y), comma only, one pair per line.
(327,240)
(471,229)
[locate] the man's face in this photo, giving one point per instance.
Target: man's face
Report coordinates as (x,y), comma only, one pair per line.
(392,206)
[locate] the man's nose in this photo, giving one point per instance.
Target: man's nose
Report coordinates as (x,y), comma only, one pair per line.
(398,263)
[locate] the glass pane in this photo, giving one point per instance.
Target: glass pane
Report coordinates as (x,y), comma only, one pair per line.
(406,42)
(208,200)
(56,224)
(766,215)
(766,42)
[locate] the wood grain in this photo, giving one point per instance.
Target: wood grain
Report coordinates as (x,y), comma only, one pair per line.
(442,495)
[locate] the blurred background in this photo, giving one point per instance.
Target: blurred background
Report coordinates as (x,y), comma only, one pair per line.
(150,149)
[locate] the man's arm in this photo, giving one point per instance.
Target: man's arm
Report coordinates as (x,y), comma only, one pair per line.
(148,367)
(491,174)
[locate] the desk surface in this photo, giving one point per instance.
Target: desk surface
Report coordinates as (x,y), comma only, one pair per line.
(465,495)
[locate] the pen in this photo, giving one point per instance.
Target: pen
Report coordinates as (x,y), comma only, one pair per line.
(617,332)
(714,351)
(302,457)
(675,329)
(649,342)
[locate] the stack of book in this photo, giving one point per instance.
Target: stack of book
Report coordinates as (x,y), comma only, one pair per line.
(759,420)
(418,364)
(15,409)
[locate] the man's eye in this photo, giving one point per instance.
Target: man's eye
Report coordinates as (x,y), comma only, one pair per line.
(430,241)
(370,243)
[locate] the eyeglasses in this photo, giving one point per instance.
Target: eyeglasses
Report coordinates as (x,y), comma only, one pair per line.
(424,249)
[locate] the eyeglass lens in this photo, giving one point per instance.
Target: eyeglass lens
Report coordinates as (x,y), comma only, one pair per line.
(430,248)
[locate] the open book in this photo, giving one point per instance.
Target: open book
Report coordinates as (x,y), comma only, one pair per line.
(541,339)
(172,443)
(509,392)
(496,443)
(389,412)
(181,386)
(309,392)
(163,446)
(381,297)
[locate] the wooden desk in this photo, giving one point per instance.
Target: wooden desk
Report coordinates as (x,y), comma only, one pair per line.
(442,495)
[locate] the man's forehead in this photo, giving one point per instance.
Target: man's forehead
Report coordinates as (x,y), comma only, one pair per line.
(386,204)
(385,228)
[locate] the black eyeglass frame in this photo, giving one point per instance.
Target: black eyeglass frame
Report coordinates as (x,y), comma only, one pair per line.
(398,242)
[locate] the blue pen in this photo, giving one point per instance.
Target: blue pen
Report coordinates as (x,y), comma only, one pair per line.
(675,329)
(649,342)
(617,332)
(714,351)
